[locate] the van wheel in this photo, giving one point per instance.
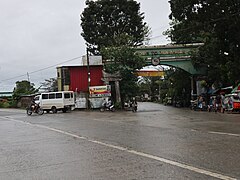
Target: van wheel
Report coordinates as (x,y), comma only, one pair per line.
(54,109)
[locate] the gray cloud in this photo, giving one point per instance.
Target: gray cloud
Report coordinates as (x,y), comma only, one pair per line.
(39,34)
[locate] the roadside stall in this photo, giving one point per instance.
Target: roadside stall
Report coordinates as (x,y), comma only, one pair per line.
(98,94)
(231,101)
(237,90)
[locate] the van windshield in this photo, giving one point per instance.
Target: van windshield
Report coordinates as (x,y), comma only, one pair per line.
(36,98)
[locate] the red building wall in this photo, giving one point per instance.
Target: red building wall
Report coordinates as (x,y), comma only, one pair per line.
(79,77)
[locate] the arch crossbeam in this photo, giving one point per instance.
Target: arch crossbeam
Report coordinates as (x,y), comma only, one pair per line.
(178,56)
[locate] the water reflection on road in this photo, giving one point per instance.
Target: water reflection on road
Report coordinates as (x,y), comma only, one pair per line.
(124,144)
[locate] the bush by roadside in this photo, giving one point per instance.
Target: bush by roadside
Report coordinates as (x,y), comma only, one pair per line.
(8,104)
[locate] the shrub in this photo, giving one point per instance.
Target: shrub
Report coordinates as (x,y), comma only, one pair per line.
(4,105)
(13,104)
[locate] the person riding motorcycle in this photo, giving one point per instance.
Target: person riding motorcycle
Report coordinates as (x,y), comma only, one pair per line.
(134,104)
(33,105)
(34,108)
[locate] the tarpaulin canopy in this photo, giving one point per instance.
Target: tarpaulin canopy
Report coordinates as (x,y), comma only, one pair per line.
(225,90)
(236,89)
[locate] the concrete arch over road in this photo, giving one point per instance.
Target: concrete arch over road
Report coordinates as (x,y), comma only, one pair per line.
(178,56)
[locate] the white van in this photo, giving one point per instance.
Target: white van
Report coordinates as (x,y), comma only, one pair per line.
(54,101)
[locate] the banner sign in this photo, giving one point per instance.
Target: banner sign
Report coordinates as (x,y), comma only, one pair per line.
(150,73)
(100,91)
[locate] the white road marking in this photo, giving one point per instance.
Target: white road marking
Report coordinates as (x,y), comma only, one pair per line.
(221,133)
(160,159)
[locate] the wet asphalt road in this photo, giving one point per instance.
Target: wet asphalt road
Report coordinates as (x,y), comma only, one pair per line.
(158,142)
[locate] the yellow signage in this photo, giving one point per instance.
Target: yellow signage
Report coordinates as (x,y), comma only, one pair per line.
(150,73)
(100,91)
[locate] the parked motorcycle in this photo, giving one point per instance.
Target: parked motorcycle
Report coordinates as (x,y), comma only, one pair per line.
(195,105)
(107,106)
(134,107)
(128,106)
(131,105)
(34,108)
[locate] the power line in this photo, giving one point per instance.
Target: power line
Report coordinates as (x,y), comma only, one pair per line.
(55,65)
(39,70)
(155,37)
(160,28)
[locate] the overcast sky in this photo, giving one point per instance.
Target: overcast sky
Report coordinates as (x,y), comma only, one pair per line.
(40,34)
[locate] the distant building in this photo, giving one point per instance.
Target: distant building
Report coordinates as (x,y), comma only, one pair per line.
(75,77)
(6,94)
(79,78)
(88,77)
(25,100)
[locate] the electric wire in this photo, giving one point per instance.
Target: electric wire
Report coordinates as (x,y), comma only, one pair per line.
(42,69)
(151,38)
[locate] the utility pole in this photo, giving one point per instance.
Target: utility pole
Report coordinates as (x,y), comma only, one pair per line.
(28,77)
(88,79)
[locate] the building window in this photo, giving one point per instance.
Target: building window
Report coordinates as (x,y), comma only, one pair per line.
(66,76)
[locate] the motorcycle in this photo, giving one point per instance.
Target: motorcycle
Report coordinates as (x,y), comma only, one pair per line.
(107,106)
(130,105)
(195,105)
(134,106)
(34,108)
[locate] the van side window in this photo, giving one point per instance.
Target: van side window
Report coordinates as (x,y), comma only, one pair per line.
(52,96)
(44,96)
(71,95)
(66,95)
(58,95)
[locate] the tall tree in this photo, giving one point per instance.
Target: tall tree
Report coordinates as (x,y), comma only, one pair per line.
(50,85)
(125,62)
(107,23)
(217,24)
(23,88)
(112,28)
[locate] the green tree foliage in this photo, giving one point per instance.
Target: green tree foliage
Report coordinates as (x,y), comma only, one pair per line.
(23,88)
(50,85)
(178,81)
(125,61)
(217,24)
(107,23)
(111,28)
(176,85)
(149,85)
